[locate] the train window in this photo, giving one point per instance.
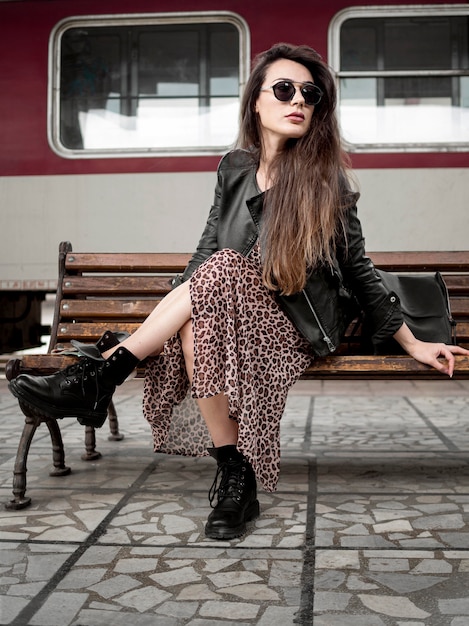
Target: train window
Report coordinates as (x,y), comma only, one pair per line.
(398,88)
(146,85)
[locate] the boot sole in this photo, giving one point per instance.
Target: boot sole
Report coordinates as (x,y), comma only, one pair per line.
(41,409)
(251,513)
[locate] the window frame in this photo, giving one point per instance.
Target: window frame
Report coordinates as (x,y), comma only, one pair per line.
(126,20)
(392,11)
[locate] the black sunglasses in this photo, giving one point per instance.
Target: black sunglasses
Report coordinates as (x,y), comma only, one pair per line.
(284,91)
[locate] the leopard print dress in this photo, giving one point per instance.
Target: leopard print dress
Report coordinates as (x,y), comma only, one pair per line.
(246,347)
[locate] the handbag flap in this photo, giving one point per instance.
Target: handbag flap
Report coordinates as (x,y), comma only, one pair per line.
(420,296)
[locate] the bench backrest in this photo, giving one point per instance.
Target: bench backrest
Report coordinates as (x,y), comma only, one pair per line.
(100,291)
(97,291)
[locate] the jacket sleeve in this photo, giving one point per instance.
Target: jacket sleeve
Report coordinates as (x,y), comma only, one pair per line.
(381,307)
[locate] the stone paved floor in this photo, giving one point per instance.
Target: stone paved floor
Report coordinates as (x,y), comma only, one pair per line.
(369,526)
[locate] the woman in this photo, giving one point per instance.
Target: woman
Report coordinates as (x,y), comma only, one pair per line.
(283,219)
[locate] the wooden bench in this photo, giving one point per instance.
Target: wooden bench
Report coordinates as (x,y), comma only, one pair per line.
(100,291)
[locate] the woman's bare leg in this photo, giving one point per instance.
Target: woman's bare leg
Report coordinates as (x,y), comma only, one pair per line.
(215,410)
(173,315)
(164,321)
(234,487)
(223,430)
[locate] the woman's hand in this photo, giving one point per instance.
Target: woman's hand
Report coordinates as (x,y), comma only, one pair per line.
(437,355)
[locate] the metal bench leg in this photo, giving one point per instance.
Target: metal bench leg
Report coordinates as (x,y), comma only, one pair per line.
(31,424)
(58,454)
(91,453)
(20,469)
(113,423)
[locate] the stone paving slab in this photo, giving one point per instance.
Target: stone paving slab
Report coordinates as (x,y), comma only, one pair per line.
(404,587)
(369,526)
(417,473)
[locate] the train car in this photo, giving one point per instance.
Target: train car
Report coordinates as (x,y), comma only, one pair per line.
(114,115)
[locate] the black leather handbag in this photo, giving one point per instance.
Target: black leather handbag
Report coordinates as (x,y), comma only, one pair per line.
(425,305)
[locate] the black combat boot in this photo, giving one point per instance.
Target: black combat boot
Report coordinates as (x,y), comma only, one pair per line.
(82,390)
(236,493)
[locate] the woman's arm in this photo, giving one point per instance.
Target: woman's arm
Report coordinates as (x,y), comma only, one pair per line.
(382,307)
(438,355)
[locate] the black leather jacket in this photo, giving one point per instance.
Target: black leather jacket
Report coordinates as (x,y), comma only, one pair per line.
(234,222)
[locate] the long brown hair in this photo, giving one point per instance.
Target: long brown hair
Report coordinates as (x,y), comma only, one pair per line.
(304,209)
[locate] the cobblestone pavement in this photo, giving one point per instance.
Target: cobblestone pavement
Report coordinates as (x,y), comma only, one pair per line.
(369,526)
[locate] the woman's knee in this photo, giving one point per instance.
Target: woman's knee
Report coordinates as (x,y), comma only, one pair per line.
(222,264)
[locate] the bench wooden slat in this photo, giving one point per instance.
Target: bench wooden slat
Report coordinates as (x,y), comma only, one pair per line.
(421,261)
(457,284)
(116,285)
(92,331)
(371,366)
(109,309)
(459,307)
(342,366)
(170,262)
(462,331)
(418,261)
(46,364)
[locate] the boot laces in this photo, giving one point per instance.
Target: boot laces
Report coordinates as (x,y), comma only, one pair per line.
(231,485)
(78,373)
